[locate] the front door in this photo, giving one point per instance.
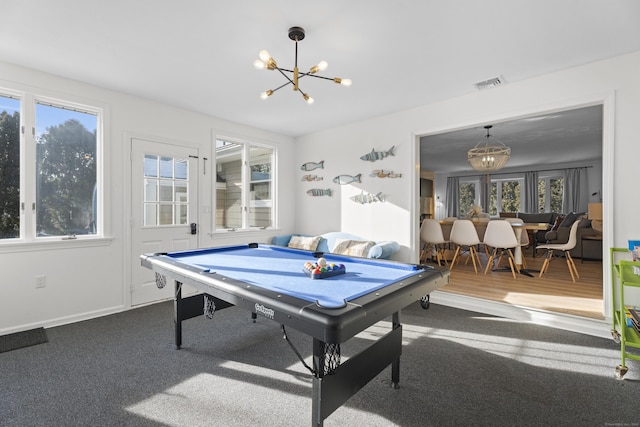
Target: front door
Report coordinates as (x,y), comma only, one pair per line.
(163,207)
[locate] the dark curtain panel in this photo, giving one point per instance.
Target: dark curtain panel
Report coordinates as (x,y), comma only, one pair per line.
(571,196)
(531,192)
(485,181)
(453,196)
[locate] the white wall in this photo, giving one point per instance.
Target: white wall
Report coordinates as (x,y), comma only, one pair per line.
(90,279)
(612,81)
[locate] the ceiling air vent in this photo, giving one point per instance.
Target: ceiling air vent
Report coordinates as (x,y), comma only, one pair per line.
(496,81)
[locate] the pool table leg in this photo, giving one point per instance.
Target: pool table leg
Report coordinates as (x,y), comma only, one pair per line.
(395,365)
(177,313)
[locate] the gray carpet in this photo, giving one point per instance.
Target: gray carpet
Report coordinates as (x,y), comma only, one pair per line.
(22,339)
(458,368)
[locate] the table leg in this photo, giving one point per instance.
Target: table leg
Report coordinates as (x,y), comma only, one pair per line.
(395,365)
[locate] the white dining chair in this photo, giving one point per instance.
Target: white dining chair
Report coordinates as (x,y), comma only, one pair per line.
(566,249)
(502,239)
(432,239)
(465,237)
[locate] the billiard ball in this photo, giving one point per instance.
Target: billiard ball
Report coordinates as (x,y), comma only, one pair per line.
(322,262)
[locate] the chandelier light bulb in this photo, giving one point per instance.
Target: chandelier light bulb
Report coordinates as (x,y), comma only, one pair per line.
(265,95)
(320,66)
(264,55)
(309,99)
(259,64)
(346,82)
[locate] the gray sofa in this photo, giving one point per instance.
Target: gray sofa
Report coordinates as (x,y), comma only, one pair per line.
(381,250)
(592,248)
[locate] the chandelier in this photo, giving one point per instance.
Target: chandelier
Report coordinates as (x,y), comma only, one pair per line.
(266,61)
(489,156)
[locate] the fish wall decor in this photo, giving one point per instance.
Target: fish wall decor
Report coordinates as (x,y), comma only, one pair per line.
(364,198)
(319,192)
(378,155)
(380,173)
(347,179)
(309,166)
(310,178)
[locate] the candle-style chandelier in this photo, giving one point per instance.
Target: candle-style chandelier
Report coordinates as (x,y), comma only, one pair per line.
(489,155)
(266,61)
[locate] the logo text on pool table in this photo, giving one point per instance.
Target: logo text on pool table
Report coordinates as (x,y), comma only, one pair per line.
(266,312)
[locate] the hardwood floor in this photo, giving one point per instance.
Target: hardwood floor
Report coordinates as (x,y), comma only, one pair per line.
(554,291)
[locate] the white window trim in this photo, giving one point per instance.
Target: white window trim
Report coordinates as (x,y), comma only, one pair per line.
(28,241)
(246,177)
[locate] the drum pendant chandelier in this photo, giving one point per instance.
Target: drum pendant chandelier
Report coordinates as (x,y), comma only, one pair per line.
(489,156)
(266,61)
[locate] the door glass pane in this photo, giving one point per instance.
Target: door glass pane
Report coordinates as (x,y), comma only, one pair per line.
(9,168)
(150,214)
(182,212)
(166,214)
(66,177)
(150,190)
(151,165)
(166,167)
(166,191)
(166,200)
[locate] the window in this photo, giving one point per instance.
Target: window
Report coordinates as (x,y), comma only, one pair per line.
(505,196)
(48,168)
(550,194)
(244,185)
(9,168)
(469,195)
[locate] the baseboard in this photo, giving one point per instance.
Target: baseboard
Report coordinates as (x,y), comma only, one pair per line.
(63,320)
(584,325)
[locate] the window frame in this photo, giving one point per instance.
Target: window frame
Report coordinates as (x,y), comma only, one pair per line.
(28,239)
(247,204)
(546,178)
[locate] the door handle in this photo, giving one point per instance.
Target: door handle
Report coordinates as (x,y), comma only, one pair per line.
(194,228)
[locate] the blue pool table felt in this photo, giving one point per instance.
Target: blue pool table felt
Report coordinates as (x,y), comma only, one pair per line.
(281,270)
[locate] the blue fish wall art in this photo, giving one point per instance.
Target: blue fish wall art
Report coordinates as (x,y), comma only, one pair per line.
(378,155)
(347,179)
(309,166)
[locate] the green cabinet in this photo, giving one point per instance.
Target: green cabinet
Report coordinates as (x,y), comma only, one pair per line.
(623,276)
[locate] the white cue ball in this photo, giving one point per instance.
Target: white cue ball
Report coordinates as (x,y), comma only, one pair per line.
(322,262)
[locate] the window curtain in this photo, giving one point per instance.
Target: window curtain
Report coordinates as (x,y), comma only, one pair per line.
(573,199)
(485,182)
(531,192)
(453,196)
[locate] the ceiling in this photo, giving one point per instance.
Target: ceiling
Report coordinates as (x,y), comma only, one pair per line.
(560,137)
(400,54)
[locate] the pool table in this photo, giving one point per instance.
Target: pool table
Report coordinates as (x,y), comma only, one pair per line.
(269,281)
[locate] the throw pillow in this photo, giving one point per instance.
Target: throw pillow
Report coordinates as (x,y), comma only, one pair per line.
(358,248)
(570,219)
(559,220)
(305,243)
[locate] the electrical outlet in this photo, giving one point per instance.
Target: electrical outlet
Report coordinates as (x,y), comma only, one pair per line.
(41,281)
